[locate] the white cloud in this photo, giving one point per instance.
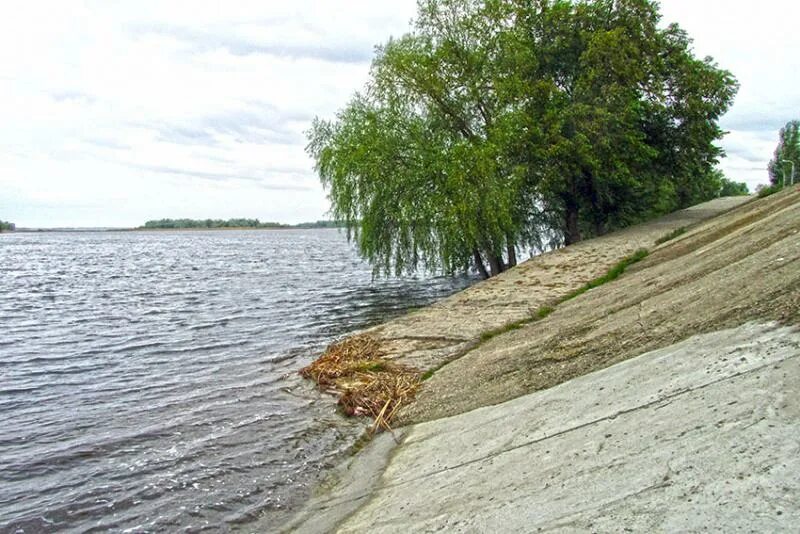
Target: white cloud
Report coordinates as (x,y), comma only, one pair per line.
(114,113)
(117,112)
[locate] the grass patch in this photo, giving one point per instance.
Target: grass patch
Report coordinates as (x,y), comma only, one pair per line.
(362,441)
(490,334)
(516,325)
(672,235)
(544,311)
(612,274)
(370,367)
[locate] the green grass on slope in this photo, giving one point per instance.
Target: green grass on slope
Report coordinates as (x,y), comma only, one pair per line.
(615,272)
(672,235)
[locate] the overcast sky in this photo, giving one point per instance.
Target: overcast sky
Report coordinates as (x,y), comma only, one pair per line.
(116,112)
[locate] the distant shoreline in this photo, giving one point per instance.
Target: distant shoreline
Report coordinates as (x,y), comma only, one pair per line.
(140,229)
(255,228)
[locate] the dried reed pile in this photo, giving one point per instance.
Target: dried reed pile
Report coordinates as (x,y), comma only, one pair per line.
(367,383)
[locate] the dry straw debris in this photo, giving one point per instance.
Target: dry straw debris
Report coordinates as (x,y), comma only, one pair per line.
(367,383)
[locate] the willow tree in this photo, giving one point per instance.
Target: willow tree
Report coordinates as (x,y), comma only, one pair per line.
(500,123)
(418,165)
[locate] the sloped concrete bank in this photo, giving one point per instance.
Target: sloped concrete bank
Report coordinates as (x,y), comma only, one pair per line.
(660,401)
(701,434)
(437,334)
(743,265)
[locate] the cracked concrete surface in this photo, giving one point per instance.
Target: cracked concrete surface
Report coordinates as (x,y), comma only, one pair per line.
(702,434)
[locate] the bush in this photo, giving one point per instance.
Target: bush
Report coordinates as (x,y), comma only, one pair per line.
(765,191)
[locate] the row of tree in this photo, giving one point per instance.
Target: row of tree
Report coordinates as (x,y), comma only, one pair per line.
(500,124)
(167,224)
(785,164)
(209,223)
(7,226)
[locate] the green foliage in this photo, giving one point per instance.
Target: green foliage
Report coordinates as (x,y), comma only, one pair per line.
(765,191)
(672,235)
(420,159)
(729,188)
(320,224)
(167,224)
(544,311)
(498,124)
(615,272)
(7,226)
(516,325)
(371,367)
(629,116)
(787,151)
(428,374)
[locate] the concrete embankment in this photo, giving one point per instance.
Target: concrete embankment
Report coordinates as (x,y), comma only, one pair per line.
(699,435)
(663,401)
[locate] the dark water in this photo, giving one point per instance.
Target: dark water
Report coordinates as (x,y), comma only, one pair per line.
(148,380)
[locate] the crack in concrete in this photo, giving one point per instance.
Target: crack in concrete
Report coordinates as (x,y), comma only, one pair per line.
(665,483)
(442,339)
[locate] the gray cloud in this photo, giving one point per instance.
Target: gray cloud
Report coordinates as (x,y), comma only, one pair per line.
(181,135)
(256,122)
(219,177)
(746,153)
(762,119)
(106,143)
(73,96)
(210,40)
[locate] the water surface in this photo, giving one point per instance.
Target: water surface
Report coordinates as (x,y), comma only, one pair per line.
(148,379)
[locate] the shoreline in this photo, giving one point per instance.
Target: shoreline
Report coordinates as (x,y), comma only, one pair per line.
(476,375)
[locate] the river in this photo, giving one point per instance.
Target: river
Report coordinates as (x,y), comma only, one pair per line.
(148,380)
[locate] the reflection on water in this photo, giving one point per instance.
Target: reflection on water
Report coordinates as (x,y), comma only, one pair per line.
(147,380)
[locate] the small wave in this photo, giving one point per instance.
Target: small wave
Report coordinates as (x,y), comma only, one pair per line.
(19,390)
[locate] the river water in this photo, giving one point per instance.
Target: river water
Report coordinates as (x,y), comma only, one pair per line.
(148,379)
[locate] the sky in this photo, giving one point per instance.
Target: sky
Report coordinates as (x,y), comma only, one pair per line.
(116,112)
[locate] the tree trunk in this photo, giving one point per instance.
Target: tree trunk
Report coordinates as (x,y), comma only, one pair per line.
(572,232)
(479,264)
(598,211)
(600,228)
(511,250)
(495,263)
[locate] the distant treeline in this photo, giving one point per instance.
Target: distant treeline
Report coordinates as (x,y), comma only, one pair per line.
(7,226)
(320,224)
(232,223)
(210,223)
